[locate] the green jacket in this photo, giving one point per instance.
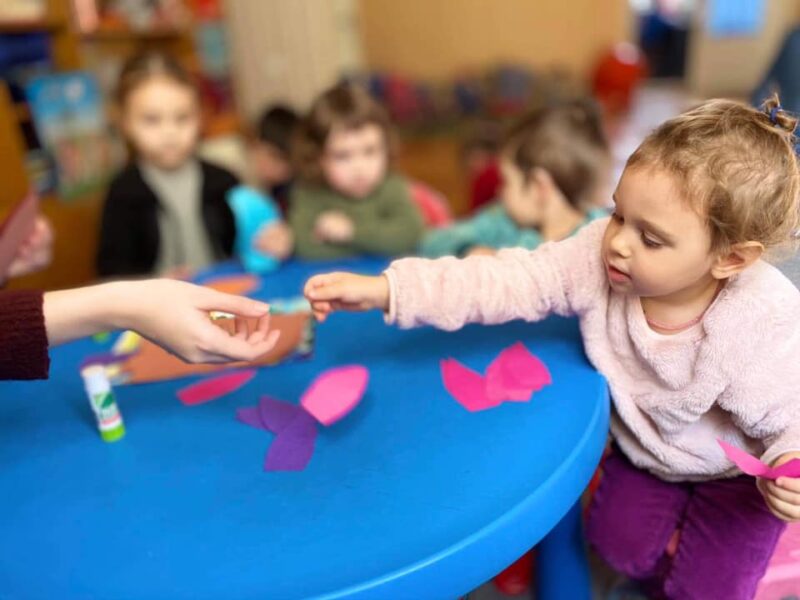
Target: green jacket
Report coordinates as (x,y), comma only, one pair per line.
(386,222)
(491,227)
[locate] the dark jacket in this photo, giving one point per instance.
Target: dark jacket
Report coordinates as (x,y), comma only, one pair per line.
(129,234)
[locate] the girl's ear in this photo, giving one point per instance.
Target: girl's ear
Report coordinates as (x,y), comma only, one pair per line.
(737,259)
(541,178)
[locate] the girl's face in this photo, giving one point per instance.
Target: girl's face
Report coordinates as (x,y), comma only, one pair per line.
(354,161)
(520,197)
(656,246)
(161,118)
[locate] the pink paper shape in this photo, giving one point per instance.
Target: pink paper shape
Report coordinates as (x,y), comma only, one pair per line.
(335,393)
(752,466)
(214,387)
(466,386)
(515,374)
(292,448)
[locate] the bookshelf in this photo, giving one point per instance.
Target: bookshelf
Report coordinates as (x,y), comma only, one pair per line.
(76,222)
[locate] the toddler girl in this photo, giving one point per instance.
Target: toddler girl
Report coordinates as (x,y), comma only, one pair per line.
(553,165)
(347,201)
(166,212)
(697,336)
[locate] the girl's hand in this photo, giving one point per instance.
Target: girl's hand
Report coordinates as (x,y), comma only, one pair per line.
(35,252)
(335,227)
(782,495)
(276,240)
(175,315)
(346,291)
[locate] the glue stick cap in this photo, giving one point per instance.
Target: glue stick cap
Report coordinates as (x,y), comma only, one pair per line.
(96,380)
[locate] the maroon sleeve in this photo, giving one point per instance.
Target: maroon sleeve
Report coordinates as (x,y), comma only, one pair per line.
(23,337)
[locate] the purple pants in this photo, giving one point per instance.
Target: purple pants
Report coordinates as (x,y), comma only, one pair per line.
(727,533)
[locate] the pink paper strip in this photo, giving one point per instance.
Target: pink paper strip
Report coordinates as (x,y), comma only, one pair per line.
(752,466)
(335,393)
(213,388)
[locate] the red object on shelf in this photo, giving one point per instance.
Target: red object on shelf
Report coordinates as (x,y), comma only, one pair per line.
(617,74)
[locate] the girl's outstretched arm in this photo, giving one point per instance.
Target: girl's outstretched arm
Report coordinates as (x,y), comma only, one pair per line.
(564,278)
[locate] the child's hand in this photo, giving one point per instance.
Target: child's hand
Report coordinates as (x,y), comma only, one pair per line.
(175,315)
(346,291)
(481,251)
(276,240)
(782,495)
(35,252)
(335,227)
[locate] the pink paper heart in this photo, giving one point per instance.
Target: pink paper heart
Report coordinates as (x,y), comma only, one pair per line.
(515,374)
(466,386)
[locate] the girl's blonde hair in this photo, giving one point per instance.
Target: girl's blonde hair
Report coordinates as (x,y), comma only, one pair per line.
(736,165)
(344,106)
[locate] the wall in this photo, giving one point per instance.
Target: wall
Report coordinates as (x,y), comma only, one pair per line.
(288,50)
(437,38)
(734,66)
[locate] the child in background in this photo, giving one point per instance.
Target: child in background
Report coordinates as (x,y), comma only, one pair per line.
(479,155)
(553,163)
(166,212)
(347,202)
(272,167)
(697,337)
(271,152)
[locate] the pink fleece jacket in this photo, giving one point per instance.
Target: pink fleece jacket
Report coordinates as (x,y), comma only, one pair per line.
(734,376)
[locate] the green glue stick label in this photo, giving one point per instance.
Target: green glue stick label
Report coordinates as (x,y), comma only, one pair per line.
(101,398)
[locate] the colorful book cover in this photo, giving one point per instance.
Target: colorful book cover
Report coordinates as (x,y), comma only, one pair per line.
(68,114)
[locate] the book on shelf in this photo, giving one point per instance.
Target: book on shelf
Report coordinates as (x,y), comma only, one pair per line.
(68,115)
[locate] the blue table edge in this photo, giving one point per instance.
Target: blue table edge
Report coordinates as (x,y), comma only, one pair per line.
(590,449)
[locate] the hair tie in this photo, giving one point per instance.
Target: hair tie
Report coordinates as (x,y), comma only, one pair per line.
(773,114)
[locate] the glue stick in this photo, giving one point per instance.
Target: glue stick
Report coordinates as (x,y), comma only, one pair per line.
(98,387)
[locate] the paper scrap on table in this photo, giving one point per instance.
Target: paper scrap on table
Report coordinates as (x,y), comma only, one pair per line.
(511,377)
(330,397)
(752,466)
(152,363)
(335,393)
(214,387)
(127,343)
(239,285)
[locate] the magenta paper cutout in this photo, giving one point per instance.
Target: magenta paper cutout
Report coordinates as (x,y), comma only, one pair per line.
(515,374)
(511,377)
(214,387)
(466,386)
(331,396)
(753,466)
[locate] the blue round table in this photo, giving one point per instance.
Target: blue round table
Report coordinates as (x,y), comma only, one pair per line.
(410,496)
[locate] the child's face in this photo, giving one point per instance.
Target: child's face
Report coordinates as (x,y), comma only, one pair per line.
(355,160)
(270,164)
(656,245)
(161,118)
(520,197)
